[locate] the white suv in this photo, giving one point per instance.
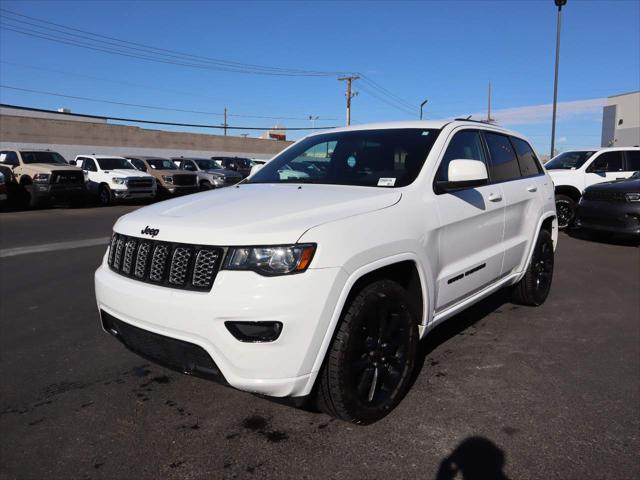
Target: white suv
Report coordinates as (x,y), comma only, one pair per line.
(326,288)
(114,178)
(576,170)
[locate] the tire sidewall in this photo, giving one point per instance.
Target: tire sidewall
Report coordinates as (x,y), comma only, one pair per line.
(377,292)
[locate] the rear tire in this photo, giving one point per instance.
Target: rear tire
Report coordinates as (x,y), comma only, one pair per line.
(105,196)
(368,367)
(534,287)
(566,211)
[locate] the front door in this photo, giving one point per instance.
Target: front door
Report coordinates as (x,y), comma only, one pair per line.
(471,227)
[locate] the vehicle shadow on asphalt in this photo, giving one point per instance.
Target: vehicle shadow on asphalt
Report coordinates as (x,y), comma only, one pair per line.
(475,458)
(604,237)
(457,324)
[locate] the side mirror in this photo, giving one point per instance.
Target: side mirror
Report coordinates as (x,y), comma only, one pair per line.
(464,174)
(73,162)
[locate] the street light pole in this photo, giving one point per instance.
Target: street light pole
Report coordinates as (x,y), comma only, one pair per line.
(422,105)
(559,4)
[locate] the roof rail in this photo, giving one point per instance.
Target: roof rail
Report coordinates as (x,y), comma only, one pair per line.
(468,119)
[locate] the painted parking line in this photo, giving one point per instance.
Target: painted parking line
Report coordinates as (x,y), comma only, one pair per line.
(52,247)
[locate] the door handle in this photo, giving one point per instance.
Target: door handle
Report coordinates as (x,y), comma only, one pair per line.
(495,197)
(532,188)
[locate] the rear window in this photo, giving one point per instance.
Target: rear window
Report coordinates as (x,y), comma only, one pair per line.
(504,163)
(526,158)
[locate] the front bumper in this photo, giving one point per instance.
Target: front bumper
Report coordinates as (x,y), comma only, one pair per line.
(614,217)
(131,193)
(58,191)
(180,190)
(304,304)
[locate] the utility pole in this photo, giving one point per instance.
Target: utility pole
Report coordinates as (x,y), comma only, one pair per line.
(225,121)
(559,4)
(422,105)
(489,119)
(350,95)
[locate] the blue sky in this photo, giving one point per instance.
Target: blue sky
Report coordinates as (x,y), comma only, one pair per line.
(443,51)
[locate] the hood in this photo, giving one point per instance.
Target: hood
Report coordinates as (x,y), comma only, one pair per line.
(222,172)
(50,167)
(159,171)
(254,214)
(125,172)
(623,186)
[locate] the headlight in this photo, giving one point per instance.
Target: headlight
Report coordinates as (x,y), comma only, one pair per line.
(119,181)
(632,197)
(168,178)
(271,260)
(41,177)
(217,179)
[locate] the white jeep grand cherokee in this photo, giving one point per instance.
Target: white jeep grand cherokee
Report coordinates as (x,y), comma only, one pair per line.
(326,288)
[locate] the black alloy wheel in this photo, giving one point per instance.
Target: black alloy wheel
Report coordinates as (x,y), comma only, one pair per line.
(368,367)
(565,210)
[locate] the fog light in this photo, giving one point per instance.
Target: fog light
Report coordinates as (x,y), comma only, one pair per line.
(255,331)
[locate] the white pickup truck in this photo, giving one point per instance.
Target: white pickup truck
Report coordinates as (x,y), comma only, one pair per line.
(114,178)
(576,170)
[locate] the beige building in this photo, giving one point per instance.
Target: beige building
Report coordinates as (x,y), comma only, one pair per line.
(72,135)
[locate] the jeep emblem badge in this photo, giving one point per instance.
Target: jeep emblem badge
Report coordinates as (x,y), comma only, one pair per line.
(150,231)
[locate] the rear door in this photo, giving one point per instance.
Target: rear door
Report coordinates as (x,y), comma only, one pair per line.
(471,227)
(514,163)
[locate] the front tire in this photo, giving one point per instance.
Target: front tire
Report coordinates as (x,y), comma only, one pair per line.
(105,196)
(368,366)
(566,211)
(534,287)
(204,185)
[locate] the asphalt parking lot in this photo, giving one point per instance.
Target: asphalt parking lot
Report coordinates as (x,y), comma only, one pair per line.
(550,392)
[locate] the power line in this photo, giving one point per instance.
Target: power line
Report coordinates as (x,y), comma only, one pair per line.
(152,107)
(156,122)
(116,46)
(151,50)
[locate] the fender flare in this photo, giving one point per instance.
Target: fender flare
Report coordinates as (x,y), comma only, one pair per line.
(554,237)
(425,287)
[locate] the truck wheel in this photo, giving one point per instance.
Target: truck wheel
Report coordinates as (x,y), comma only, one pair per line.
(566,211)
(104,196)
(369,364)
(31,200)
(534,287)
(204,185)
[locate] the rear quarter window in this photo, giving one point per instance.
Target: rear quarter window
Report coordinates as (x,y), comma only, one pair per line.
(504,163)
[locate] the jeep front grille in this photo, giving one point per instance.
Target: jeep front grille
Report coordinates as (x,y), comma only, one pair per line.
(175,265)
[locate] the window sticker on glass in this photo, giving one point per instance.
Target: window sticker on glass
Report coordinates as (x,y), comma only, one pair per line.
(386,182)
(351,161)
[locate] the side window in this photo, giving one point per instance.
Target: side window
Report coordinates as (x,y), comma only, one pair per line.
(527,159)
(465,145)
(9,158)
(139,164)
(188,165)
(633,160)
(504,163)
(607,162)
(90,165)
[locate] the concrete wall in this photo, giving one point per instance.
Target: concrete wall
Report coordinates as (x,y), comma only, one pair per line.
(625,122)
(71,138)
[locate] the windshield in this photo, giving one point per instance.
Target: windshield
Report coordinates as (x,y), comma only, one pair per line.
(207,165)
(42,157)
(161,164)
(370,158)
(636,175)
(113,163)
(568,160)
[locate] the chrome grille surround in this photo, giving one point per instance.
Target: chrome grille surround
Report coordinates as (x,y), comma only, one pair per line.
(173,265)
